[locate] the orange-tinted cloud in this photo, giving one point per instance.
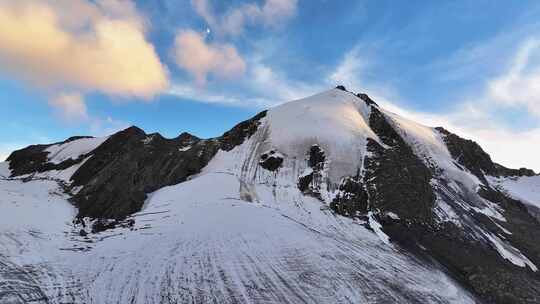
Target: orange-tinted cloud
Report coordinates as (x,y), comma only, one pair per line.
(197,57)
(79,44)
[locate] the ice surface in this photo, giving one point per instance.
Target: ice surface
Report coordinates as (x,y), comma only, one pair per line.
(73,149)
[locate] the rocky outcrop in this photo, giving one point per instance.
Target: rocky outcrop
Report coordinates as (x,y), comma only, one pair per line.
(352,197)
(470,155)
(34,159)
(240,132)
(311,181)
(366,99)
(398,181)
(468,254)
(271,160)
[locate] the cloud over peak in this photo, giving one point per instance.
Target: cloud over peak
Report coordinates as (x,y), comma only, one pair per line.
(200,59)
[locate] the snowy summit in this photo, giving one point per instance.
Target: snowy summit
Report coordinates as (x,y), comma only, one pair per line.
(326,199)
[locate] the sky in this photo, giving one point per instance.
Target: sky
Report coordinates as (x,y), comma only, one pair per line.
(93,67)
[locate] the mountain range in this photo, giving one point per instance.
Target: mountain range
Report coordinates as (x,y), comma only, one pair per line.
(326,199)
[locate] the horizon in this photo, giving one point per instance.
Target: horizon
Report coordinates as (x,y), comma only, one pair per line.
(203,66)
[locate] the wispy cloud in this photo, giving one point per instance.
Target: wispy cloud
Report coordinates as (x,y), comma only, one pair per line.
(520,85)
(233,22)
(262,86)
(186,91)
(70,106)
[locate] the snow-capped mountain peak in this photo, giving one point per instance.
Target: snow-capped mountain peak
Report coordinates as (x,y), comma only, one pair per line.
(326,199)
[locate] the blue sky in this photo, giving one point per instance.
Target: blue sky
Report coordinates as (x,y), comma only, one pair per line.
(203,65)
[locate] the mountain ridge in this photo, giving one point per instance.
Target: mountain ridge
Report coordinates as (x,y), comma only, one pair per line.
(431,193)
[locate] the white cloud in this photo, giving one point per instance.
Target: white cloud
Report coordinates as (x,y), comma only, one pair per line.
(193,54)
(70,106)
(94,46)
(202,95)
(275,86)
(520,85)
(261,87)
(271,14)
(348,71)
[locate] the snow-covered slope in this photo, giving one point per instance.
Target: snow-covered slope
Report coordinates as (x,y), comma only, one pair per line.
(525,188)
(335,120)
(191,245)
(73,149)
(327,199)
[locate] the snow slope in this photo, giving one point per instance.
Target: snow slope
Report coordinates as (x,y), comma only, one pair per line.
(73,149)
(35,223)
(191,245)
(335,120)
(525,188)
(4,170)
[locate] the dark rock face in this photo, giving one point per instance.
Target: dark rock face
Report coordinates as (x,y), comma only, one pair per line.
(130,164)
(472,261)
(352,199)
(34,159)
(316,158)
(471,156)
(240,132)
(366,99)
(398,181)
(341,87)
(28,160)
(310,183)
(271,160)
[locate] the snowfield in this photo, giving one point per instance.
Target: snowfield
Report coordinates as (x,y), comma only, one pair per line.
(229,235)
(525,188)
(73,149)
